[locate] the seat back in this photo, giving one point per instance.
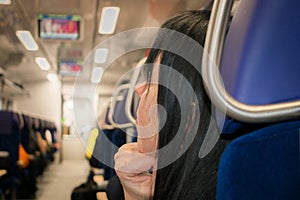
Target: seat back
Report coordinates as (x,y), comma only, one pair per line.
(9,142)
(262,165)
(119,116)
(260,66)
(10,134)
(260,60)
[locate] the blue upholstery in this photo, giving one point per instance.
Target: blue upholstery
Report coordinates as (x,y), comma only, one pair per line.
(10,134)
(42,128)
(9,141)
(104,150)
(53,130)
(260,65)
(25,134)
(28,136)
(260,60)
(262,165)
(119,115)
(100,147)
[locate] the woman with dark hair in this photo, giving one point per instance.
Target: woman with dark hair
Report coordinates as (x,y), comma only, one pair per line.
(165,163)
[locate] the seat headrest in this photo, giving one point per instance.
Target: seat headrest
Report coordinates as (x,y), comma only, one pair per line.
(119,115)
(9,122)
(106,119)
(260,63)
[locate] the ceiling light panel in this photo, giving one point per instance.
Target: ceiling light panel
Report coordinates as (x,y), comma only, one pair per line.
(42,63)
(52,77)
(27,40)
(5,2)
(101,55)
(108,21)
(96,74)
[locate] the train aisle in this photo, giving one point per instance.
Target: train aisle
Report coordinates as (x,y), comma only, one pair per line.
(59,179)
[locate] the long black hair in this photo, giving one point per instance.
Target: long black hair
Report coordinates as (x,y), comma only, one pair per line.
(188,176)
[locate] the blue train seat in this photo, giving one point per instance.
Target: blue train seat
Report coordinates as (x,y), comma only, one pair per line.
(260,60)
(53,130)
(10,135)
(118,115)
(9,141)
(26,137)
(260,65)
(106,145)
(107,142)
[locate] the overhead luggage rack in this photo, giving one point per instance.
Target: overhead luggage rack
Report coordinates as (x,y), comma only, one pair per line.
(10,89)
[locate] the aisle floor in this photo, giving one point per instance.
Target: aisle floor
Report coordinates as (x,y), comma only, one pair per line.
(59,179)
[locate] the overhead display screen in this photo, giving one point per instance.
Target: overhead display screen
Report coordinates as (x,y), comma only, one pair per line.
(69,61)
(69,68)
(63,27)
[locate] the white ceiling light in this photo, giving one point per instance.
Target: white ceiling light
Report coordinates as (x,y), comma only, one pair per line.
(27,40)
(69,105)
(108,21)
(42,63)
(52,77)
(101,55)
(5,2)
(96,74)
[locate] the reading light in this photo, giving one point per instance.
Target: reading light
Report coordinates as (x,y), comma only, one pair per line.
(108,21)
(5,2)
(101,55)
(52,77)
(27,40)
(96,74)
(42,63)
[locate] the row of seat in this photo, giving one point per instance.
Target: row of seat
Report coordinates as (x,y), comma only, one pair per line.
(260,69)
(30,144)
